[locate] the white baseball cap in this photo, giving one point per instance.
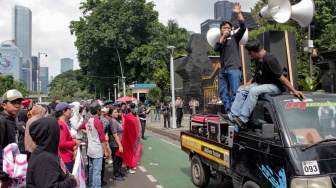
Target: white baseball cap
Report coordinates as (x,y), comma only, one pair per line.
(12,95)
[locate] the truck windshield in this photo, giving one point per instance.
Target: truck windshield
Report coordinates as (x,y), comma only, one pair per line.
(311,120)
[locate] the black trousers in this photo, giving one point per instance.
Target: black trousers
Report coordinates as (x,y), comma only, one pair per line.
(166,119)
(179,115)
(117,163)
(143,128)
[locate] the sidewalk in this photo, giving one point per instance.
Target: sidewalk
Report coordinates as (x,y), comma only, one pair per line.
(157,126)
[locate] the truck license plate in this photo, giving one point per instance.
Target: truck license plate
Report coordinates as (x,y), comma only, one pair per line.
(310,167)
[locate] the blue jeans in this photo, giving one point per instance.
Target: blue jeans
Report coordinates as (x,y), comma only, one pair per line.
(95,168)
(229,81)
(247,98)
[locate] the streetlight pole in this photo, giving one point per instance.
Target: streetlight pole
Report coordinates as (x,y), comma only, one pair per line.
(122,72)
(109,94)
(38,76)
(115,92)
(171,50)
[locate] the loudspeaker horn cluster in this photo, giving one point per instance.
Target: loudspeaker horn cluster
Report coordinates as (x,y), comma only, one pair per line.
(281,11)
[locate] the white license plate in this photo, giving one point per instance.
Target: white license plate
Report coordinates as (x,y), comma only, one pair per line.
(310,167)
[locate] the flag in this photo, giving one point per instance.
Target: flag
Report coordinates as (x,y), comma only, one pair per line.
(79,169)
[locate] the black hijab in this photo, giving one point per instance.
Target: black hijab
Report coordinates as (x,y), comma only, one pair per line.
(46,133)
(23,115)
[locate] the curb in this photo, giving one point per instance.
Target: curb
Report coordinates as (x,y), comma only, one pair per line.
(164,133)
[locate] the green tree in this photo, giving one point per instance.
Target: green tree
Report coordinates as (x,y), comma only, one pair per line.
(68,85)
(154,94)
(107,33)
(151,61)
(8,82)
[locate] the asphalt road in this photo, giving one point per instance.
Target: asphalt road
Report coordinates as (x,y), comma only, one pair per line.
(163,164)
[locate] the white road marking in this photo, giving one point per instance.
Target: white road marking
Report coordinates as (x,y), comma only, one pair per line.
(159,186)
(142,169)
(151,178)
(171,143)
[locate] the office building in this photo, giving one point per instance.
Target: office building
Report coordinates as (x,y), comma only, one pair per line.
(11,60)
(22,35)
(223,10)
(34,73)
(66,64)
(44,79)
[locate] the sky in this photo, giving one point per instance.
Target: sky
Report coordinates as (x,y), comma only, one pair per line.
(51,20)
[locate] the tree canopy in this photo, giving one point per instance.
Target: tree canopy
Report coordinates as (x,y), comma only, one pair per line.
(118,38)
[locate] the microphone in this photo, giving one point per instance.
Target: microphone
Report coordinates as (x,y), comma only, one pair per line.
(226,34)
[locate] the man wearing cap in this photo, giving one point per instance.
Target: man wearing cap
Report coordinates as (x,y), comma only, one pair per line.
(12,103)
(67,144)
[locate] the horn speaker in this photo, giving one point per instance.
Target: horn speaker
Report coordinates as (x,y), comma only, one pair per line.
(281,11)
(213,36)
(303,12)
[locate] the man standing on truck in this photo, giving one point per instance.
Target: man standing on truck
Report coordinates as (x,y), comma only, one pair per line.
(268,79)
(228,48)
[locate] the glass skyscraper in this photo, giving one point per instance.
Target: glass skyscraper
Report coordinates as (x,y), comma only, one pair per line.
(223,10)
(66,64)
(22,35)
(44,79)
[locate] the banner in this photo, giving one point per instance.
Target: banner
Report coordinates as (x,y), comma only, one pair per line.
(79,169)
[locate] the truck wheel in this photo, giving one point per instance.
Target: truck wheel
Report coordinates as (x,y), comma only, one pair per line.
(250,184)
(200,173)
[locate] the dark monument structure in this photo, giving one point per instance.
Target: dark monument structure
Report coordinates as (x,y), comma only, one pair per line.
(193,67)
(328,70)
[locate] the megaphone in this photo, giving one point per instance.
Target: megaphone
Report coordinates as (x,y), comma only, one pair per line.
(279,10)
(303,12)
(213,36)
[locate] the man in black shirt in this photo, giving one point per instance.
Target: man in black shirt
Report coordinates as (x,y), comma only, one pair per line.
(268,78)
(228,48)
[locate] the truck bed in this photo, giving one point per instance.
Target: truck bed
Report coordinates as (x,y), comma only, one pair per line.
(212,153)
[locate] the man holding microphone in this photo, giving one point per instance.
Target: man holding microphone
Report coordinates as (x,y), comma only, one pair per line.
(228,48)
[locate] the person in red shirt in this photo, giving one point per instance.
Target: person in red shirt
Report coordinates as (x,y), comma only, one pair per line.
(67,144)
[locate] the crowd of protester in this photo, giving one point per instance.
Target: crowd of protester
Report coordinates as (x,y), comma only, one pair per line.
(50,135)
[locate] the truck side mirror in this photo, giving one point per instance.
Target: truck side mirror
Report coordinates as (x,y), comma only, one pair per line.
(268,131)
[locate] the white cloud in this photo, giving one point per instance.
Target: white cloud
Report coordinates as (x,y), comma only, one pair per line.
(51,21)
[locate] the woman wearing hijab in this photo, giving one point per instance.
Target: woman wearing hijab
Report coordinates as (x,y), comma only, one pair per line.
(76,120)
(38,111)
(45,168)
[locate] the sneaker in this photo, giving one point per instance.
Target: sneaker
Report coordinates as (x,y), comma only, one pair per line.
(225,117)
(109,161)
(143,138)
(118,178)
(240,123)
(134,168)
(164,128)
(131,171)
(121,175)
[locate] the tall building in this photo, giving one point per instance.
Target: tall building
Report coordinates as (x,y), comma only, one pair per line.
(11,60)
(66,64)
(44,79)
(34,73)
(22,35)
(223,10)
